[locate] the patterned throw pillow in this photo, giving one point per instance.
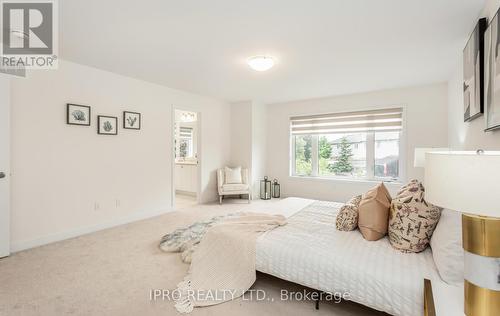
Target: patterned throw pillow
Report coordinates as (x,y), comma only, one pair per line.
(411,219)
(410,188)
(355,200)
(347,218)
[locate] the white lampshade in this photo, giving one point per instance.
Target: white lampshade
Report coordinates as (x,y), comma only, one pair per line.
(419,161)
(464,181)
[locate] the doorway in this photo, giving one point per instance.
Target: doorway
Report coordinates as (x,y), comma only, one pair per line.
(4,166)
(186,162)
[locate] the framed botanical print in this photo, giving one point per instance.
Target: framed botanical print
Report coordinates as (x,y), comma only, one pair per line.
(131,120)
(492,74)
(473,80)
(107,125)
(78,114)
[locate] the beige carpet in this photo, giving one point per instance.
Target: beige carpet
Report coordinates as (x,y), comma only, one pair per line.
(183,201)
(112,272)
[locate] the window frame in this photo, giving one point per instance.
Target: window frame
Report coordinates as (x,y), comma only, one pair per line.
(370,152)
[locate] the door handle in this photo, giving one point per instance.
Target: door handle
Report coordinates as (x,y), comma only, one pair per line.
(2,175)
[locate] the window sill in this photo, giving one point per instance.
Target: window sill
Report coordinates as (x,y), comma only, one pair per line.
(342,180)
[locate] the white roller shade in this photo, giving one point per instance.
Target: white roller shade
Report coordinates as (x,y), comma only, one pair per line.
(360,121)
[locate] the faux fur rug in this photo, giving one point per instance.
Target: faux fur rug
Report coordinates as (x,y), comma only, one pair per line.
(185,240)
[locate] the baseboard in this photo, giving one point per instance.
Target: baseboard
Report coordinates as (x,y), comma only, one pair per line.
(27,244)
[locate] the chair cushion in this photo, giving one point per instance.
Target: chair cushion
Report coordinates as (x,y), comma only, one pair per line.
(233,175)
(235,187)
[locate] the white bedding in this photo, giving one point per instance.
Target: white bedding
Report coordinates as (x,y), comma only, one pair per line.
(311,252)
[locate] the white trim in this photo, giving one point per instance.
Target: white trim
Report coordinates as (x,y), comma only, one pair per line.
(347,179)
(370,155)
(27,244)
(404,164)
(172,156)
(199,154)
(314,155)
(291,155)
(5,165)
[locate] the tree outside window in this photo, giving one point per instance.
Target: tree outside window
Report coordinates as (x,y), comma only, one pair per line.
(343,165)
(303,155)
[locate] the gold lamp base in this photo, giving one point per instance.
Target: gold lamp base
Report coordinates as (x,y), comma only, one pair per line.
(481,242)
(480,301)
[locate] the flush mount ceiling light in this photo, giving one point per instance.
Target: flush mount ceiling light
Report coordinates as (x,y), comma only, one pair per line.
(260,63)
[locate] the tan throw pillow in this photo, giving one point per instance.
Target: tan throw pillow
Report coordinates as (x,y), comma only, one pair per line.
(411,219)
(374,213)
(347,218)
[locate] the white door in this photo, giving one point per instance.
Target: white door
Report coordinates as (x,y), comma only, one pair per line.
(4,166)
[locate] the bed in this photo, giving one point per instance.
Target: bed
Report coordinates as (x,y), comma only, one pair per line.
(311,252)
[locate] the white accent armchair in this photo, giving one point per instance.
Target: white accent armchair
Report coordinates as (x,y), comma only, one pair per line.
(233,188)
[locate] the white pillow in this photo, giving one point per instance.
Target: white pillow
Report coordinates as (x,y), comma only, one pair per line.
(233,175)
(446,244)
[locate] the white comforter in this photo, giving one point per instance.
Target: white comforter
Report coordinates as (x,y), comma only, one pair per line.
(310,251)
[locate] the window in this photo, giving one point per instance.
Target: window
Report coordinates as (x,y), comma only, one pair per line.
(185,142)
(354,145)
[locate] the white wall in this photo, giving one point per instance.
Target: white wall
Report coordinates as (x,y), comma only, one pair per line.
(426,126)
(259,144)
(248,139)
(241,134)
(59,171)
(468,135)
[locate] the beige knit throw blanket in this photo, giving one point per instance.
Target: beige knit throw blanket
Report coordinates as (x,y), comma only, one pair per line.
(223,265)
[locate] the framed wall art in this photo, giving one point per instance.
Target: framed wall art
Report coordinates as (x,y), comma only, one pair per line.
(107,125)
(78,114)
(131,120)
(473,80)
(492,74)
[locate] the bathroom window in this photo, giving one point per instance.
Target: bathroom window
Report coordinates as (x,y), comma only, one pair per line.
(185,142)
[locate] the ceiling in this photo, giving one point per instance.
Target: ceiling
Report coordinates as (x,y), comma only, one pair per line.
(322,47)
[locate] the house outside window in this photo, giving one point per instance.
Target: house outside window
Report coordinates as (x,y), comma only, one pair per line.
(364,145)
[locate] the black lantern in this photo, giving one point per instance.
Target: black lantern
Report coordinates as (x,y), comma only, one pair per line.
(265,189)
(276,189)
